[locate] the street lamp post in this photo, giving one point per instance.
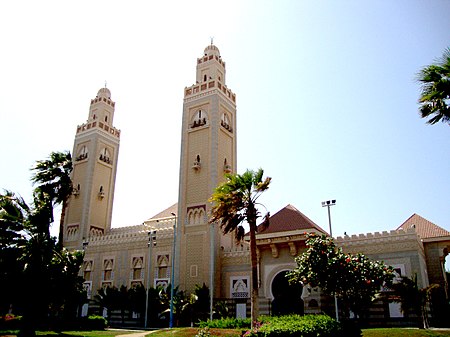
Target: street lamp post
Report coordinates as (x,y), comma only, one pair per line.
(151,243)
(173,270)
(328,204)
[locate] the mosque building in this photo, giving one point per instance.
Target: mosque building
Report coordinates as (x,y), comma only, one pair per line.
(179,245)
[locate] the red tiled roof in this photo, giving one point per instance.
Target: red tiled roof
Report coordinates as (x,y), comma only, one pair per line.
(426,229)
(289,219)
(167,212)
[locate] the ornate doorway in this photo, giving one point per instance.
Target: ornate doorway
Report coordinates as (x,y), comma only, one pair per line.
(286,297)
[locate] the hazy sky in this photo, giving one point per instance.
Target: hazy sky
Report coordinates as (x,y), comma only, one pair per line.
(326,98)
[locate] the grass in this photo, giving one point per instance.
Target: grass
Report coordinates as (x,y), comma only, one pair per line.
(399,332)
(191,332)
(106,333)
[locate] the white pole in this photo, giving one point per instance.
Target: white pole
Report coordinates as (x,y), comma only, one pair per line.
(211,273)
(173,271)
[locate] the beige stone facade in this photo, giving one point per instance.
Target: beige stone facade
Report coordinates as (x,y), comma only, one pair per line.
(144,253)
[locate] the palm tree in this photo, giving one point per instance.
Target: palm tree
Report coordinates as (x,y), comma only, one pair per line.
(435,95)
(54,183)
(27,235)
(235,202)
(413,299)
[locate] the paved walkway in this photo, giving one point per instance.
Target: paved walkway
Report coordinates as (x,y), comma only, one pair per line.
(136,333)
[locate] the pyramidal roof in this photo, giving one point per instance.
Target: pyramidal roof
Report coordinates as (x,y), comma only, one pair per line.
(289,219)
(166,213)
(424,228)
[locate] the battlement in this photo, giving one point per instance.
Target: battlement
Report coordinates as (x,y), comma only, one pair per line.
(239,251)
(99,125)
(377,237)
(203,59)
(133,233)
(210,85)
(103,99)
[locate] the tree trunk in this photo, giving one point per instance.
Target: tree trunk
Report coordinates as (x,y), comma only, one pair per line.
(61,223)
(251,218)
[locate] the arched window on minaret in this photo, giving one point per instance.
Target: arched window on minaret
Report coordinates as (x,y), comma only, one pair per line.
(197,163)
(199,118)
(76,190)
(226,166)
(226,121)
(204,78)
(105,156)
(82,153)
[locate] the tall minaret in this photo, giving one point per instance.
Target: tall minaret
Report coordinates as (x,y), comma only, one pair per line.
(208,151)
(95,155)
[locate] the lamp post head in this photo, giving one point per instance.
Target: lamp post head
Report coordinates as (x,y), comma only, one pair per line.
(328,203)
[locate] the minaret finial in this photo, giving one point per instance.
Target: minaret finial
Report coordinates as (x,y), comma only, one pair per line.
(105,84)
(212,40)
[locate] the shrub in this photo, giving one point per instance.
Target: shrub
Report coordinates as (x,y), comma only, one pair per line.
(295,325)
(94,323)
(226,323)
(10,322)
(203,332)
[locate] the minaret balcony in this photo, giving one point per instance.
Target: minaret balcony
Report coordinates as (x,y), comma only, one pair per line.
(198,123)
(226,126)
(81,157)
(200,87)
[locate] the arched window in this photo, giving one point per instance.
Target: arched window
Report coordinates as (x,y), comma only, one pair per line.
(226,121)
(200,118)
(105,156)
(82,153)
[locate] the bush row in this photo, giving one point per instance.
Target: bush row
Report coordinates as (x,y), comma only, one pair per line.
(291,325)
(10,322)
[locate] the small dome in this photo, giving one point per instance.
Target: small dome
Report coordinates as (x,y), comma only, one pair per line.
(212,50)
(104,93)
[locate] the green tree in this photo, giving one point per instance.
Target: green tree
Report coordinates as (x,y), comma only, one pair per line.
(108,298)
(67,294)
(137,297)
(435,95)
(13,213)
(53,182)
(354,279)
(25,237)
(235,201)
(413,299)
(25,234)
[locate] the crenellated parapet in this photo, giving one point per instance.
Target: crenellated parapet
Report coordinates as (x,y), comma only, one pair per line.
(201,88)
(381,242)
(236,255)
(139,233)
(99,125)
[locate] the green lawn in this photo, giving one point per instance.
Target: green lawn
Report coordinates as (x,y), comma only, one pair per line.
(397,332)
(107,333)
(191,332)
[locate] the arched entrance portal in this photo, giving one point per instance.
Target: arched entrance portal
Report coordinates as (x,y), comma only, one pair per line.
(287,297)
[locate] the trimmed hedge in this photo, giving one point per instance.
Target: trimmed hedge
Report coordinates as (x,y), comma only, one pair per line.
(291,325)
(226,323)
(302,326)
(94,323)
